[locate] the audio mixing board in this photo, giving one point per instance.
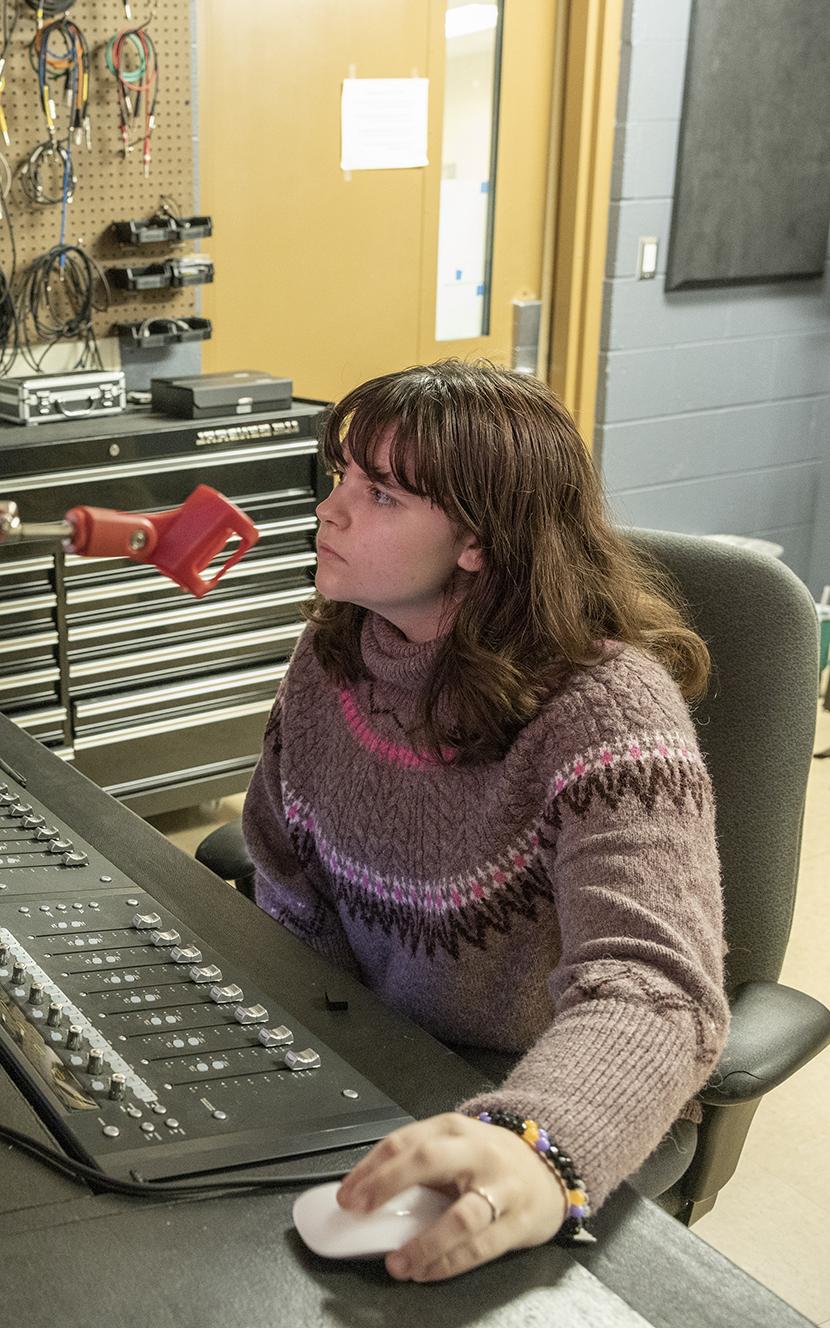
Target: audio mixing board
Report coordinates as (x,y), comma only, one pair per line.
(143,1050)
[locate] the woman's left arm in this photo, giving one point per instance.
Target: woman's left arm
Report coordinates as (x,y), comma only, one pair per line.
(641,1015)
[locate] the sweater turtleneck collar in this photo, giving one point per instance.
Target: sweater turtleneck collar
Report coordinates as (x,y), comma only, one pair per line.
(390,658)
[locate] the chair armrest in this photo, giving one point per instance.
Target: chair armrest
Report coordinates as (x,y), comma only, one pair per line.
(774,1031)
(225,853)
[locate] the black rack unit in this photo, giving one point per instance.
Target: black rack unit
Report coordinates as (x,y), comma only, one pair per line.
(159,698)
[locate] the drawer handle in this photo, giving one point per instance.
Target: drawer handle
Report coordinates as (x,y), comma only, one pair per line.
(174,725)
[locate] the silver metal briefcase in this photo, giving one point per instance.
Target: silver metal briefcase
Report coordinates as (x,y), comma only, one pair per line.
(42,398)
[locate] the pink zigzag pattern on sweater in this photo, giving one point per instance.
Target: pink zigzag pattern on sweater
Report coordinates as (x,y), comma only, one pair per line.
(490,879)
(397,754)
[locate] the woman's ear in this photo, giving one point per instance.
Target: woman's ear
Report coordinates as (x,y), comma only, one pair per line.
(470,558)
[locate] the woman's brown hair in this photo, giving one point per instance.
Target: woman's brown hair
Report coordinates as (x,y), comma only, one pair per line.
(501,456)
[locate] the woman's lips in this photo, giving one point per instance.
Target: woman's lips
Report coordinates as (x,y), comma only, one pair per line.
(329,553)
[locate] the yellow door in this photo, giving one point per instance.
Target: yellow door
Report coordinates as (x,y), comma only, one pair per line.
(329,276)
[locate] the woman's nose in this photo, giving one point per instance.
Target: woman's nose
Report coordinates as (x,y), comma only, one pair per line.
(329,508)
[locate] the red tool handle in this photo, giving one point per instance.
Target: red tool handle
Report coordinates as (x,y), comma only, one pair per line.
(180,543)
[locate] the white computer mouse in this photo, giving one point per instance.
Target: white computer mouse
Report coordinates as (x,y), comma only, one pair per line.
(330,1230)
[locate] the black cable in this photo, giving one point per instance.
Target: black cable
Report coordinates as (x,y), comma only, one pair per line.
(31,175)
(8,31)
(55,302)
(49,8)
(8,313)
(79,1171)
(8,325)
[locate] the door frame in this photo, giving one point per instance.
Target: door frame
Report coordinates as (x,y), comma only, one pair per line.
(583,123)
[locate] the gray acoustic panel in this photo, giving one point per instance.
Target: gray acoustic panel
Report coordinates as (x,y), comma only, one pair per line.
(752,191)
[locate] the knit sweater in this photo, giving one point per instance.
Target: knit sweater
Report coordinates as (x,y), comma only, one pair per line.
(562,902)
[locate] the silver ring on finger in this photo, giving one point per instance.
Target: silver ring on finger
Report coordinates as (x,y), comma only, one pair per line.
(495,1211)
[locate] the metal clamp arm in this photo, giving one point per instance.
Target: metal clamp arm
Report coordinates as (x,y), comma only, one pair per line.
(180,543)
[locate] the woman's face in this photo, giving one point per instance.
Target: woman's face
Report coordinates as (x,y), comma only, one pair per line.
(390,551)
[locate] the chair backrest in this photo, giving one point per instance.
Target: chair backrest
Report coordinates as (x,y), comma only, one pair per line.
(756,727)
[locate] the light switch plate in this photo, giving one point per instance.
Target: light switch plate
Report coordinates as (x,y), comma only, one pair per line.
(647,257)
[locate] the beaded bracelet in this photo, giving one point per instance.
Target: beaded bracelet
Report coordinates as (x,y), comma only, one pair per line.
(572,1230)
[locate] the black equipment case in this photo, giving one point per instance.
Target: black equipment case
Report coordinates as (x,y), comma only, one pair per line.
(247,392)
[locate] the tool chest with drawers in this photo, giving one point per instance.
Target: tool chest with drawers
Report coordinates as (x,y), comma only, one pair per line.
(157,697)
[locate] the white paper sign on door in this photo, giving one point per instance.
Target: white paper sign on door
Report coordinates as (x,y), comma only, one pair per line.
(383,123)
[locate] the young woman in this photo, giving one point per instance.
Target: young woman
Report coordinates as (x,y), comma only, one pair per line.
(480,792)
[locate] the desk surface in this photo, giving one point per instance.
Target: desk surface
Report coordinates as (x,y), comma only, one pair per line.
(72,1257)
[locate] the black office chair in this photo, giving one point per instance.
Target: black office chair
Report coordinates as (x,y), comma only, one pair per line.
(756,727)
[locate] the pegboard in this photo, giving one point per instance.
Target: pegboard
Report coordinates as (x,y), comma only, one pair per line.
(108,188)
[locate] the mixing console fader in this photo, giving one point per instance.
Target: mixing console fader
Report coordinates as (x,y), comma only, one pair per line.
(143,1051)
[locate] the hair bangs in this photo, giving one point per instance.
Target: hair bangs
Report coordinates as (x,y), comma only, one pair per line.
(377,413)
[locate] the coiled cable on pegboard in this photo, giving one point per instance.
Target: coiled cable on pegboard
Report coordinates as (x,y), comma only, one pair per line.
(132,59)
(43,175)
(57,296)
(59,52)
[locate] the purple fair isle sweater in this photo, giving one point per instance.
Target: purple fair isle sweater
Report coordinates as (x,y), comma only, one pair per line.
(563,902)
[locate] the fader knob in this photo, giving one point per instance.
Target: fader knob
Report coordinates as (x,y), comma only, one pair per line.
(74,859)
(275,1037)
(186,954)
(47,832)
(206,973)
(95,1062)
(118,1086)
(53,1018)
(250,1014)
(32,822)
(162,938)
(144,921)
(74,1037)
(308,1059)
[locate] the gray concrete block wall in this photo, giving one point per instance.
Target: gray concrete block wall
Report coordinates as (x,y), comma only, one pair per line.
(713,411)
